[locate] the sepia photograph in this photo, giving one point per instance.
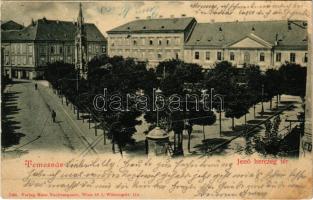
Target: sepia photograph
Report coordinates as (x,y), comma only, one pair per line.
(183,86)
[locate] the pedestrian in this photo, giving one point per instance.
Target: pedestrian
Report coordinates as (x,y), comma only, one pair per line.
(53,114)
(35,86)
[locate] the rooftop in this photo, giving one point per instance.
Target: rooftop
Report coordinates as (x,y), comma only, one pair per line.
(11,25)
(220,34)
(52,30)
(155,25)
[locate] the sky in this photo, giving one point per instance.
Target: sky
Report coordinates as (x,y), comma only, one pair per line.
(110,14)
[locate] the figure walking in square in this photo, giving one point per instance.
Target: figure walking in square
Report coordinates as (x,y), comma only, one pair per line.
(53,114)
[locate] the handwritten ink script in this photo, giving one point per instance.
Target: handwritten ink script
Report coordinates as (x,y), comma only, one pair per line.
(262,9)
(141,177)
(128,9)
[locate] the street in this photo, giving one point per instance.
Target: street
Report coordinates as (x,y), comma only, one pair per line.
(38,132)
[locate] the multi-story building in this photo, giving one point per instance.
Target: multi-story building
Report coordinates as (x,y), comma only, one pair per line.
(151,40)
(27,52)
(268,44)
(265,43)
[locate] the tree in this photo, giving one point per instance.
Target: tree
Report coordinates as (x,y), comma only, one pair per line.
(173,75)
(120,77)
(225,80)
(293,79)
(254,80)
(238,103)
(273,84)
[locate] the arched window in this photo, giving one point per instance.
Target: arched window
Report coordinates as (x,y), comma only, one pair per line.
(262,57)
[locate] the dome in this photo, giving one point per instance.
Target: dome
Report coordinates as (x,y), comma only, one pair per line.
(157,133)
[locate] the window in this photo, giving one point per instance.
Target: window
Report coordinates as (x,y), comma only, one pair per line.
(177,41)
(18,60)
(52,49)
(7,59)
(42,60)
(197,56)
(103,49)
(30,60)
(60,50)
(159,56)
(23,47)
(292,57)
(42,50)
(219,55)
(232,56)
(18,48)
(306,57)
(207,55)
(262,57)
(69,49)
(24,60)
(13,48)
(135,42)
(151,42)
(160,42)
(167,42)
(6,50)
(278,57)
(176,56)
(30,49)
(13,60)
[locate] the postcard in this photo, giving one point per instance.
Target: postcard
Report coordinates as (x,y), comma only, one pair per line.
(156,99)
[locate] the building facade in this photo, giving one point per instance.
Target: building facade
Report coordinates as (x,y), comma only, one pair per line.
(27,52)
(268,44)
(151,40)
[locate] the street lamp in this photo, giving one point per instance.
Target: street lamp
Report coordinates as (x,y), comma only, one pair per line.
(77,90)
(221,98)
(203,91)
(262,109)
(158,91)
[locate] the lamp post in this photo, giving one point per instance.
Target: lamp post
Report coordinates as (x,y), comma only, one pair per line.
(158,91)
(157,140)
(221,98)
(262,109)
(203,91)
(77,90)
(163,72)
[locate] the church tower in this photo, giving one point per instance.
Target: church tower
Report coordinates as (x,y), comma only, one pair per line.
(81,44)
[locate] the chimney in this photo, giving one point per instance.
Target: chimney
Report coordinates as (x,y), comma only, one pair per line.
(276,39)
(289,25)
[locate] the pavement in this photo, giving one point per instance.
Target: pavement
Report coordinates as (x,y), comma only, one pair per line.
(38,132)
(29,112)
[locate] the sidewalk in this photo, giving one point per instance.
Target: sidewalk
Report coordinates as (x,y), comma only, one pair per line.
(91,138)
